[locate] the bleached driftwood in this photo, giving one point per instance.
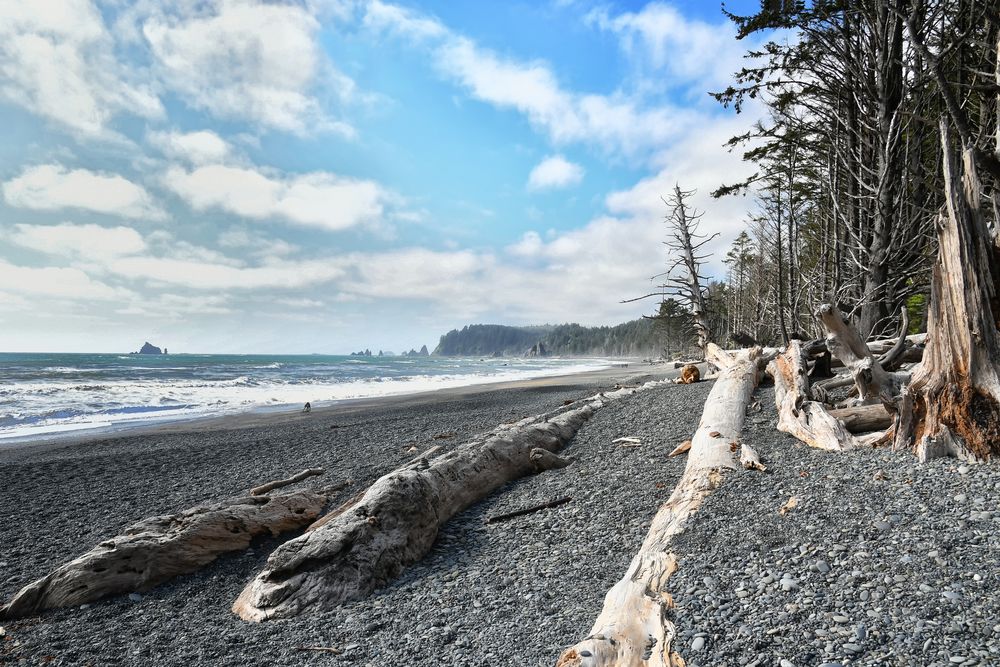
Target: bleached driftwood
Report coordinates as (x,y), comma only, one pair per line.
(750,460)
(159,548)
(798,414)
(395,522)
(271,486)
(874,383)
(952,405)
(633,628)
(544,460)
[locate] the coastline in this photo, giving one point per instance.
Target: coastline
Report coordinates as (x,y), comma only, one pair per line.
(265,416)
(518,592)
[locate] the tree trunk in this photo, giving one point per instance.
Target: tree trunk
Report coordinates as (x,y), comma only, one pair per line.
(366,543)
(159,548)
(632,629)
(952,405)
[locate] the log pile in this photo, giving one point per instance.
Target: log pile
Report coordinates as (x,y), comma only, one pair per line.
(368,541)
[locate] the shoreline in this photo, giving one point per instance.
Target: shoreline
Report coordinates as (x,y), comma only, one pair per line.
(266,415)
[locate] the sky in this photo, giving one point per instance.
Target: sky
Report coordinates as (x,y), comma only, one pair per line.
(323,176)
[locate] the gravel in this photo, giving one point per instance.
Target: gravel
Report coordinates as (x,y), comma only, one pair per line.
(514,593)
(863,571)
(903,570)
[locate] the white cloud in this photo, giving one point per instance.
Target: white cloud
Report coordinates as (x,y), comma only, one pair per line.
(664,44)
(256,244)
(554,172)
(201,147)
(53,186)
(380,16)
(69,283)
(615,122)
(57,60)
(87,241)
(318,199)
(248,60)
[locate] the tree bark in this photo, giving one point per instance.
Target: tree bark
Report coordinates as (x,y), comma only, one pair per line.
(395,522)
(952,405)
(159,548)
(633,629)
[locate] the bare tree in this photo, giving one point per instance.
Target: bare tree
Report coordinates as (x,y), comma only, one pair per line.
(683,279)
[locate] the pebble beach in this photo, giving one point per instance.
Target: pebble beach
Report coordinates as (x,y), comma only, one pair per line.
(883,561)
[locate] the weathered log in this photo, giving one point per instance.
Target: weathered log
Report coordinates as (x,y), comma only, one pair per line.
(395,522)
(689,374)
(952,405)
(798,414)
(874,383)
(750,460)
(633,628)
(528,510)
(159,548)
(682,448)
(863,418)
(544,460)
(270,486)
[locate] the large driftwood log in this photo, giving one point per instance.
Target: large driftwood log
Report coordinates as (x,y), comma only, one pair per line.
(798,414)
(159,548)
(952,405)
(633,629)
(874,383)
(395,522)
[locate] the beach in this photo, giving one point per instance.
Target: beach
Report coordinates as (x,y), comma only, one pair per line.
(858,548)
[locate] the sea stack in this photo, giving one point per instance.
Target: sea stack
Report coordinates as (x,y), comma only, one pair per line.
(148,348)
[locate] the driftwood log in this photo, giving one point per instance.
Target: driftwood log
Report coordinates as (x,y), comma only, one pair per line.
(368,541)
(952,405)
(689,374)
(798,414)
(294,479)
(159,548)
(874,384)
(633,629)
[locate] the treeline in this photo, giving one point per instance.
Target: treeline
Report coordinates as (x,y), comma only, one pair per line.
(638,338)
(848,157)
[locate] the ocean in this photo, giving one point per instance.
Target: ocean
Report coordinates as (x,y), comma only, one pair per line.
(44,395)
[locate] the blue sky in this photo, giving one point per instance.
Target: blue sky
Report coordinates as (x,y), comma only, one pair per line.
(327,175)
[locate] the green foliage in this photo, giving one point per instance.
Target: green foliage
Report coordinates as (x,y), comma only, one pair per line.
(635,338)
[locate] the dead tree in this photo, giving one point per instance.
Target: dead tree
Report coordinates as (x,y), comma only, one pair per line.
(683,278)
(952,405)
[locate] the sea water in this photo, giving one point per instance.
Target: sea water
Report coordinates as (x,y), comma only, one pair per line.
(42,395)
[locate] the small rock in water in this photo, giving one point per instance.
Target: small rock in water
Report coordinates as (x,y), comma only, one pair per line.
(135,597)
